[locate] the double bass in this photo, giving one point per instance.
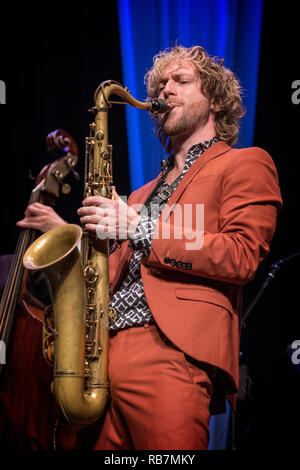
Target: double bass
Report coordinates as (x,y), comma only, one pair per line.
(28,416)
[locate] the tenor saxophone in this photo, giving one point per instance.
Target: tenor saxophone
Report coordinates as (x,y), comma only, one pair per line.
(76,333)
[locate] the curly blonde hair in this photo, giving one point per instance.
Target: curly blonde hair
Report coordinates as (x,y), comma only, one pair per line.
(218,83)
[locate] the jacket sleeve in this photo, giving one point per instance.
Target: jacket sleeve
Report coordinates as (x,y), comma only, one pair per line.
(250,200)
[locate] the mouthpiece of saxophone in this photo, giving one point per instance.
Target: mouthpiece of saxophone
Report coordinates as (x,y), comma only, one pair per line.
(159,106)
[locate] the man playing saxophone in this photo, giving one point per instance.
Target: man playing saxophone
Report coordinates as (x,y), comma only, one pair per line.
(185,244)
(174,341)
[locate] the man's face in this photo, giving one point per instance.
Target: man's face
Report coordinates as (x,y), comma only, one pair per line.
(180,87)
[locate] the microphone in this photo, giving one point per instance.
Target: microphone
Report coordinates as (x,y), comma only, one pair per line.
(159,106)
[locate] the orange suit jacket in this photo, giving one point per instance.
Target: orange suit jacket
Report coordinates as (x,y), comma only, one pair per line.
(199,308)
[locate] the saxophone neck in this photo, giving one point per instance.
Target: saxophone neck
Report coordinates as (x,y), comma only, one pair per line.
(111,87)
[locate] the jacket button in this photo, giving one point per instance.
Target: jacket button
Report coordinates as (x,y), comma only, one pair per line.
(173,262)
(167,260)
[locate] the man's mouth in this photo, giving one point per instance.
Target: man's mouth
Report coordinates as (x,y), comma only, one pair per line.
(173,105)
(166,115)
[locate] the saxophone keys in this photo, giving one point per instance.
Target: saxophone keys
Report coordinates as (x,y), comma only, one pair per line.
(90,274)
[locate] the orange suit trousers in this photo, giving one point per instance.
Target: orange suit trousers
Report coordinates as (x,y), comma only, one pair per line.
(160,399)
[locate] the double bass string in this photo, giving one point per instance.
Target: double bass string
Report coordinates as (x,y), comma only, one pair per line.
(11,290)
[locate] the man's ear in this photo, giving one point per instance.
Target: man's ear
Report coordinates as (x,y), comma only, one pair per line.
(214,106)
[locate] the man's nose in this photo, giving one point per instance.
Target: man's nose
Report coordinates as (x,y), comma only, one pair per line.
(169,88)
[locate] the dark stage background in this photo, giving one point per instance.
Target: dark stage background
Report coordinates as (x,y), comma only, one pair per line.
(51,62)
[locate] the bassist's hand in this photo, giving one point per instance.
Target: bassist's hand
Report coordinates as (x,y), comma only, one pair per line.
(40,217)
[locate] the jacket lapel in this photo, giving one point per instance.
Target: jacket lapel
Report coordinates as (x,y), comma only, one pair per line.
(141,195)
(212,152)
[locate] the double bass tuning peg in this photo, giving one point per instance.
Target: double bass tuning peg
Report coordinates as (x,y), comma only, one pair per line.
(70,162)
(65,188)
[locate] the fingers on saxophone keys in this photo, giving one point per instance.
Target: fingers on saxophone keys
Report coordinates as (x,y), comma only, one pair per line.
(90,219)
(95,201)
(91,210)
(91,227)
(97,228)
